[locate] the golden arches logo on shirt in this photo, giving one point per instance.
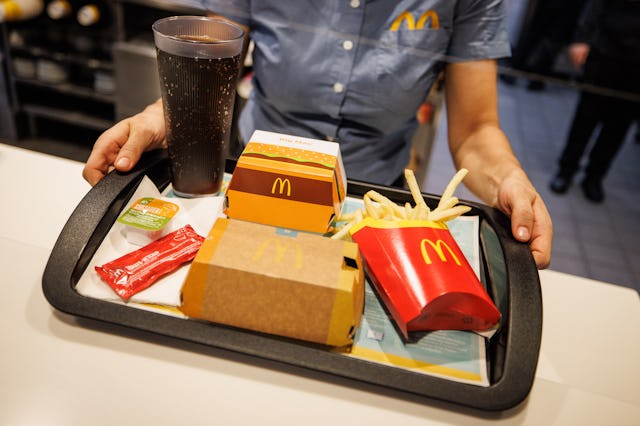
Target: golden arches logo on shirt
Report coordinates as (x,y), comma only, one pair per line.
(280,249)
(438,248)
(281,184)
(429,15)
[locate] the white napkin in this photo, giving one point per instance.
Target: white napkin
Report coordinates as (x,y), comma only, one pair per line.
(200,213)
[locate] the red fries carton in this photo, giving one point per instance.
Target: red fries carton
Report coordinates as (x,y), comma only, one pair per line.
(422,276)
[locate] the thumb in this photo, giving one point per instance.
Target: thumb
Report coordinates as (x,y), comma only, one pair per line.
(522,217)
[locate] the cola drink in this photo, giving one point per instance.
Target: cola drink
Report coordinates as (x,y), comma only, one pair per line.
(198,71)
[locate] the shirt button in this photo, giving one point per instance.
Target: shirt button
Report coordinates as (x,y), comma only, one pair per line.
(355,3)
(338,87)
(347,45)
(330,139)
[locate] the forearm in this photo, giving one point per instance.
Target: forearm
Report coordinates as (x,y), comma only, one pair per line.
(476,140)
(488,156)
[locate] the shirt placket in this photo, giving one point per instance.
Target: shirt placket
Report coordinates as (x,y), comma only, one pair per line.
(347,24)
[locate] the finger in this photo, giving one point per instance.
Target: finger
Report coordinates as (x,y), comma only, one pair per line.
(93,175)
(146,131)
(104,153)
(129,154)
(542,235)
(522,218)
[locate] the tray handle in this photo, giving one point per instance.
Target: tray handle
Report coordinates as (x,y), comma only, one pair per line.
(77,241)
(522,336)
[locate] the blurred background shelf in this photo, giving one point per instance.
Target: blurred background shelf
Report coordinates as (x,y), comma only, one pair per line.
(67,88)
(73,117)
(84,70)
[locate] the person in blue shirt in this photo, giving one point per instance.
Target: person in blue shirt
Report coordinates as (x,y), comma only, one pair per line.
(356,72)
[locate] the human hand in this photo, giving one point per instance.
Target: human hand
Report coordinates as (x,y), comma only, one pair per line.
(530,219)
(121,146)
(578,53)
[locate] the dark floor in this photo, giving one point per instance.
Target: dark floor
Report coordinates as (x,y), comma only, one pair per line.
(598,241)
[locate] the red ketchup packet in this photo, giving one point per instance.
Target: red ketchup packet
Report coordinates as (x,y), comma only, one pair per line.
(423,277)
(137,270)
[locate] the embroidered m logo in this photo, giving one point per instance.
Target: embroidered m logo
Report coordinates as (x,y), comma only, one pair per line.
(430,15)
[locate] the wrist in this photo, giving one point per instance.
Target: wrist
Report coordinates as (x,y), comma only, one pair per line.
(485,177)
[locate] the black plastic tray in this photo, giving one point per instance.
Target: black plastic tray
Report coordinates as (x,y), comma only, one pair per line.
(508,270)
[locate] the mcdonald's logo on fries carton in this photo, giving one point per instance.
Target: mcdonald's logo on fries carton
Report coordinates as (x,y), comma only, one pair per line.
(277,281)
(423,277)
(287,181)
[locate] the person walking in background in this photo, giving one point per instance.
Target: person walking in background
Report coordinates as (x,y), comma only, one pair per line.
(607,42)
(547,28)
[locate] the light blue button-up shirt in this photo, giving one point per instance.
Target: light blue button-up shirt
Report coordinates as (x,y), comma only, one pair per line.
(356,71)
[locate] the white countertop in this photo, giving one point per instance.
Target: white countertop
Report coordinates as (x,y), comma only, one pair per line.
(60,370)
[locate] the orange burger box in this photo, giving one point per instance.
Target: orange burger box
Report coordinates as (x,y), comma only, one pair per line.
(287,181)
(277,281)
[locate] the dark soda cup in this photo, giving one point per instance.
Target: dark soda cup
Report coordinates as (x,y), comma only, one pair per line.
(198,65)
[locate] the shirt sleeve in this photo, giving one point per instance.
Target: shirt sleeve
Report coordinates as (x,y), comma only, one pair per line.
(480,31)
(236,10)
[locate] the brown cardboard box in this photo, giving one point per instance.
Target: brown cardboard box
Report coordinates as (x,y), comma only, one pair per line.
(277,281)
(287,181)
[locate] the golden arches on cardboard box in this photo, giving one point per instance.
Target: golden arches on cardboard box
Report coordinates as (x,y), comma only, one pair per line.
(281,249)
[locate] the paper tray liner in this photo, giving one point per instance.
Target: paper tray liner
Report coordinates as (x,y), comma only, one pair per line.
(423,277)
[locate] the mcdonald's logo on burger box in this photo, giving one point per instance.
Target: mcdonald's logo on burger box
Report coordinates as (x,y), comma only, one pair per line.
(287,181)
(277,281)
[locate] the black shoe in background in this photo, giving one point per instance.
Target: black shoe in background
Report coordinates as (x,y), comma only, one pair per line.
(592,189)
(561,182)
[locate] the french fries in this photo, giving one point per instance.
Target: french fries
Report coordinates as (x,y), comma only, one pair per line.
(378,206)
